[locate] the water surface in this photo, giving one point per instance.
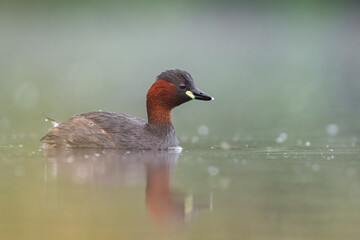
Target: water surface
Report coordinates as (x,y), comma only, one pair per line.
(238,190)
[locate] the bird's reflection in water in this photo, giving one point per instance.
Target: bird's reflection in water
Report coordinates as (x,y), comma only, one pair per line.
(116,167)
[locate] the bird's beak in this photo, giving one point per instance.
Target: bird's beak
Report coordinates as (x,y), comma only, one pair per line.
(199,95)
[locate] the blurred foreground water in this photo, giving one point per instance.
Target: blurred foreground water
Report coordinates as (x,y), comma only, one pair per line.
(245,189)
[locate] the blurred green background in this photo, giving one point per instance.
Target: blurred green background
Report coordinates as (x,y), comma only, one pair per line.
(272,66)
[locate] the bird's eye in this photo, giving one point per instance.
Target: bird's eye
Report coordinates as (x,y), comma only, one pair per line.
(182,86)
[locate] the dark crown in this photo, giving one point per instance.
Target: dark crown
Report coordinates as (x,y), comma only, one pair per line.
(176,76)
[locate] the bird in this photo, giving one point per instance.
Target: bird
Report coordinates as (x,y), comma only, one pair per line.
(100,129)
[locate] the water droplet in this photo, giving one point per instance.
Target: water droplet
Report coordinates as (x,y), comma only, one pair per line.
(213,171)
(97,154)
(332,129)
(203,130)
(307,143)
(86,156)
(225,145)
(69,159)
(281,138)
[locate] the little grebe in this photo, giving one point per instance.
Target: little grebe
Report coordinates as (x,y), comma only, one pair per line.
(116,130)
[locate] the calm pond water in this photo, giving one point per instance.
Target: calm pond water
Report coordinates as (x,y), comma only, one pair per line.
(251,189)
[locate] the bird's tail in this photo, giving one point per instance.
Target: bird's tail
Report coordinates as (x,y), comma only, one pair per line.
(53,121)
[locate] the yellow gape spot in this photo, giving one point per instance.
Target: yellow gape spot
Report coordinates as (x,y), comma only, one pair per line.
(190,94)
